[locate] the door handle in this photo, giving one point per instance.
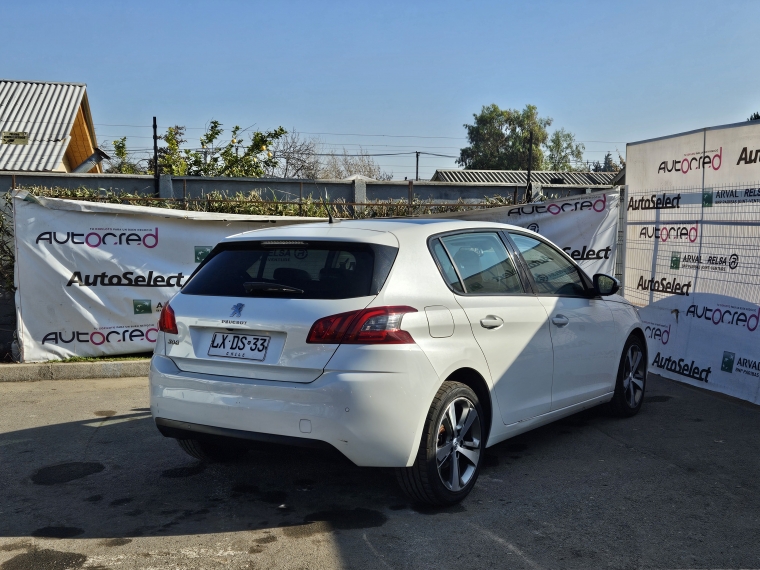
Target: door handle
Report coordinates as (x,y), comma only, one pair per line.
(491,322)
(560,320)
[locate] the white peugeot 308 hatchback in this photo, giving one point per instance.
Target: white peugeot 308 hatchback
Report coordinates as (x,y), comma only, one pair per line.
(411,344)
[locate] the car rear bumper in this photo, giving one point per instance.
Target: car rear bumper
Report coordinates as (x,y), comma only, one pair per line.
(373,415)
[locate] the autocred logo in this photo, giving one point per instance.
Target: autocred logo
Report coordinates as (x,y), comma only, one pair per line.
(105,335)
(599,205)
(681,368)
(693,161)
(103,238)
(128,278)
(670,233)
(672,287)
(657,332)
(654,202)
(742,365)
(726,315)
(704,262)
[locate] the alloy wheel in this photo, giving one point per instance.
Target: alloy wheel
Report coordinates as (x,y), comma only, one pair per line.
(633,376)
(458,445)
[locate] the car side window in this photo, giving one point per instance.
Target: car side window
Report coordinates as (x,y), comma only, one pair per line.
(447,269)
(483,263)
(552,272)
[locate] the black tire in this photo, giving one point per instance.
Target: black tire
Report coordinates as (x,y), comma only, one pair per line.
(210,452)
(423,482)
(629,391)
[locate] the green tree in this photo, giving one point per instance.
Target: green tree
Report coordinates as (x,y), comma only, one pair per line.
(499,139)
(171,160)
(562,151)
(121,163)
(754,116)
(609,164)
(233,157)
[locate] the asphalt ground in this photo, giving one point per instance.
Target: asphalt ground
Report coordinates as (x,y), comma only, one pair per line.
(86,481)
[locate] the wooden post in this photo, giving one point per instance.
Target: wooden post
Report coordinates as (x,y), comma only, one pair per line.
(411,197)
(300,198)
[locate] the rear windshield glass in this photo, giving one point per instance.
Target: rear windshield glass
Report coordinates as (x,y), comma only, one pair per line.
(299,270)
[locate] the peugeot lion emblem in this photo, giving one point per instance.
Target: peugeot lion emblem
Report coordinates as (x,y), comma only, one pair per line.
(237,310)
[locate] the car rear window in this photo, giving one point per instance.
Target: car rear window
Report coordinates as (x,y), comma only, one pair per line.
(293,269)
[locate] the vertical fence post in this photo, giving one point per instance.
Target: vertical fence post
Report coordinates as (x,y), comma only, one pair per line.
(184,193)
(13,181)
(300,199)
(411,194)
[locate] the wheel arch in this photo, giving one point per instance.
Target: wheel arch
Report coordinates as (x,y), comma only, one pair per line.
(638,333)
(475,381)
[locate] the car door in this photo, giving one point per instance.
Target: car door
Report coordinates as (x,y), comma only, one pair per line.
(509,324)
(582,327)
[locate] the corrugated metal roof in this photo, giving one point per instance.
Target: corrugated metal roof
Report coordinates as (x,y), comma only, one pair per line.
(47,112)
(520,177)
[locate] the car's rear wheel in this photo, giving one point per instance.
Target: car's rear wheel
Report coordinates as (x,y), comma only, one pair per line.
(631,379)
(210,451)
(449,458)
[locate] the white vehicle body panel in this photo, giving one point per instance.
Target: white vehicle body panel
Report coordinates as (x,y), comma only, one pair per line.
(370,401)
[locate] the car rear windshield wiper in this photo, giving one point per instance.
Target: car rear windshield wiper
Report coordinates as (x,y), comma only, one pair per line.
(258,287)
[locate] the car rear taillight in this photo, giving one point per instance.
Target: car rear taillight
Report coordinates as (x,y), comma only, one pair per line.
(166,322)
(379,325)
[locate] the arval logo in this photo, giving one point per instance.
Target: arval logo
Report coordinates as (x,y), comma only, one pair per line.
(237,310)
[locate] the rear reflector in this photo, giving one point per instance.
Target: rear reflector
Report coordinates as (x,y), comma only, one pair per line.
(379,325)
(166,322)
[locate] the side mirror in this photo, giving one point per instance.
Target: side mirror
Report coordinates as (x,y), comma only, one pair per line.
(605,285)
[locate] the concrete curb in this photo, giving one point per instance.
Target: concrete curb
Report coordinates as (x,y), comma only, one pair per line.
(73,370)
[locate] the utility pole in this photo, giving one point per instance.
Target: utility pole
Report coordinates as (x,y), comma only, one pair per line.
(156,179)
(417,175)
(528,188)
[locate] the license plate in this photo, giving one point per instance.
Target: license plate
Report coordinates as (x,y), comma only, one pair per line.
(251,347)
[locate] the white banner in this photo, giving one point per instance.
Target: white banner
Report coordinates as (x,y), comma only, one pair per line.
(92,278)
(585,226)
(692,263)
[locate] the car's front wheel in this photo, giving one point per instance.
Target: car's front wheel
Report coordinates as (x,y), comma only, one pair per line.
(631,379)
(449,458)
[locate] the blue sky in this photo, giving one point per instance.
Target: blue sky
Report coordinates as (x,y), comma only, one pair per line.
(607,71)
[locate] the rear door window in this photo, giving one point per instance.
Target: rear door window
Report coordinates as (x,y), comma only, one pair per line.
(482,264)
(304,270)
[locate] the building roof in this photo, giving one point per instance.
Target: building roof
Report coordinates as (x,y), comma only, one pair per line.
(48,111)
(520,177)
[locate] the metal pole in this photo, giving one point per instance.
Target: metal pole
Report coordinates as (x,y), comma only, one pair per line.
(417,176)
(411,194)
(528,189)
(300,199)
(155,157)
(184,193)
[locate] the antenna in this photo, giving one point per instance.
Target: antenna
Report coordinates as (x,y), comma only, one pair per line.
(329,213)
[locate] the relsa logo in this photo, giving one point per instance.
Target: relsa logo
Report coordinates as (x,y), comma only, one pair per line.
(685,165)
(599,205)
(102,238)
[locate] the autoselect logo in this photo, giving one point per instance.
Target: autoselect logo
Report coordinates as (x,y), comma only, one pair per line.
(128,278)
(669,287)
(726,315)
(655,202)
(742,365)
(681,368)
(711,196)
(599,205)
(146,237)
(103,335)
(657,332)
(704,262)
(693,161)
(671,233)
(588,253)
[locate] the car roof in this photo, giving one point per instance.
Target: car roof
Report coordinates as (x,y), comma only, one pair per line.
(403,228)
